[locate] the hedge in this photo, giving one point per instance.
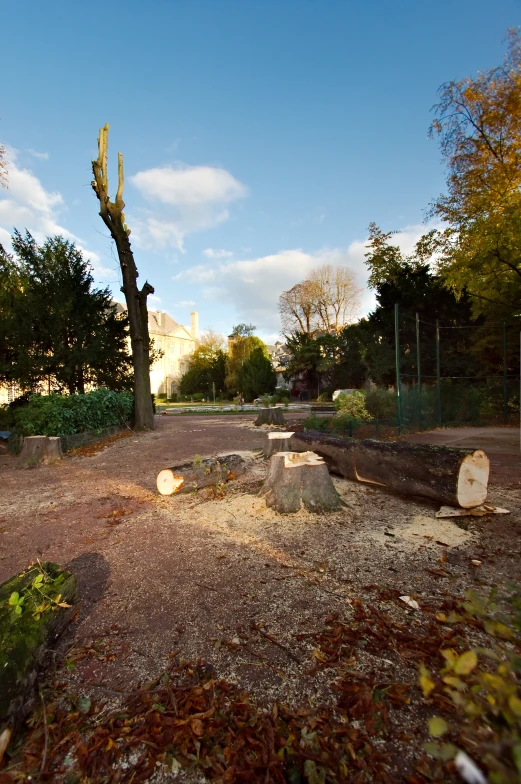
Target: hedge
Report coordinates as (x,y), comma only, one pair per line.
(65,415)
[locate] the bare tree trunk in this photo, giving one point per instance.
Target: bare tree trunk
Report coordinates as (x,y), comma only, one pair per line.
(114,218)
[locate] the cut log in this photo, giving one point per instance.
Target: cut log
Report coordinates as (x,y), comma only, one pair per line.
(199,473)
(455,477)
(37,450)
(270,416)
(339,454)
(299,479)
(277,442)
(26,636)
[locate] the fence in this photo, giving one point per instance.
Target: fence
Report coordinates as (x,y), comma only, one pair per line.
(452,373)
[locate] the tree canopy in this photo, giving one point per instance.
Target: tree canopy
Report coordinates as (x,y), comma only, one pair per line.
(256,375)
(326,301)
(55,328)
(478,123)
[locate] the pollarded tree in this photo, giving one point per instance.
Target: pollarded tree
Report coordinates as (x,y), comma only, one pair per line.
(114,219)
(56,330)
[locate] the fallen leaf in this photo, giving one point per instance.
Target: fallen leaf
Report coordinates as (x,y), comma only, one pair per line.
(410,602)
(437,726)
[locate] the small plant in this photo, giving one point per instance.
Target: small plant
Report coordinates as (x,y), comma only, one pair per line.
(483,686)
(352,405)
(197,460)
(266,401)
(36,597)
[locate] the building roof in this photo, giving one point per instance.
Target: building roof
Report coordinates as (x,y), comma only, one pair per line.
(162,323)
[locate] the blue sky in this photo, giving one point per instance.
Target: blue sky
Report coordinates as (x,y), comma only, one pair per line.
(260,137)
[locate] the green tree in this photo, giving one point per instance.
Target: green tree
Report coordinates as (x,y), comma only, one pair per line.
(207,368)
(239,349)
(56,329)
(256,376)
(409,282)
(478,122)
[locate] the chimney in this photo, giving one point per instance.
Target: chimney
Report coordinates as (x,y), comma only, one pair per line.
(195,324)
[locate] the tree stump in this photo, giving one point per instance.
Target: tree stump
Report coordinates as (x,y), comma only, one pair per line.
(25,636)
(199,473)
(455,477)
(297,479)
(37,450)
(270,416)
(277,442)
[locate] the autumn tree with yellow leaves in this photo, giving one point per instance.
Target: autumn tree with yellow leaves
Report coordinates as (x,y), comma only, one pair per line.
(478,123)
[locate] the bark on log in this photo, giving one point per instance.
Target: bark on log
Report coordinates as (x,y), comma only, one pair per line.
(339,454)
(277,442)
(456,477)
(270,416)
(196,474)
(25,638)
(37,450)
(299,479)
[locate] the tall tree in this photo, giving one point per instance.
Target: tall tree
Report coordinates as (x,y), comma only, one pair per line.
(478,122)
(256,376)
(297,309)
(336,296)
(113,217)
(56,330)
(207,369)
(239,349)
(326,301)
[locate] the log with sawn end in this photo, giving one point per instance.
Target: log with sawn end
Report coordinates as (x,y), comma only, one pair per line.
(455,477)
(199,473)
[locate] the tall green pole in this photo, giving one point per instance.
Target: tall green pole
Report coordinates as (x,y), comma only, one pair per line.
(505,385)
(398,380)
(438,374)
(419,368)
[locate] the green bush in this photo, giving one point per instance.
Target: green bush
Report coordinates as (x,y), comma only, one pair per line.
(380,403)
(352,405)
(64,415)
(324,397)
(161,396)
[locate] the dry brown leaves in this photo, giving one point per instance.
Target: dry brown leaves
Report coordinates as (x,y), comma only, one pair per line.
(92,449)
(189,718)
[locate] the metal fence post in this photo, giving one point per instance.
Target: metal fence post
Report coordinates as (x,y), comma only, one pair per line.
(505,385)
(419,369)
(397,356)
(438,376)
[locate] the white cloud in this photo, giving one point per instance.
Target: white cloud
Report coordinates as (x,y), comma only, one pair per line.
(185,303)
(213,253)
(252,287)
(186,199)
(28,205)
(154,298)
(43,155)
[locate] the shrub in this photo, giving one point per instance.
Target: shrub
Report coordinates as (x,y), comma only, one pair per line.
(353,405)
(380,403)
(317,423)
(324,397)
(64,415)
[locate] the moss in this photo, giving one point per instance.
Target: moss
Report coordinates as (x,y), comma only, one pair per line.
(24,638)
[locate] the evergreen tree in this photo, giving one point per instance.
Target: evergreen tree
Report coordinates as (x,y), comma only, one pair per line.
(57,330)
(256,376)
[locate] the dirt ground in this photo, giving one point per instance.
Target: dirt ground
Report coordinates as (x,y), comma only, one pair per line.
(217,576)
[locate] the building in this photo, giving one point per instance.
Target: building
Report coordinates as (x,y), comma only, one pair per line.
(177,344)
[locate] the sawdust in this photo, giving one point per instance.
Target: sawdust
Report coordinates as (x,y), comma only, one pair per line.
(428,532)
